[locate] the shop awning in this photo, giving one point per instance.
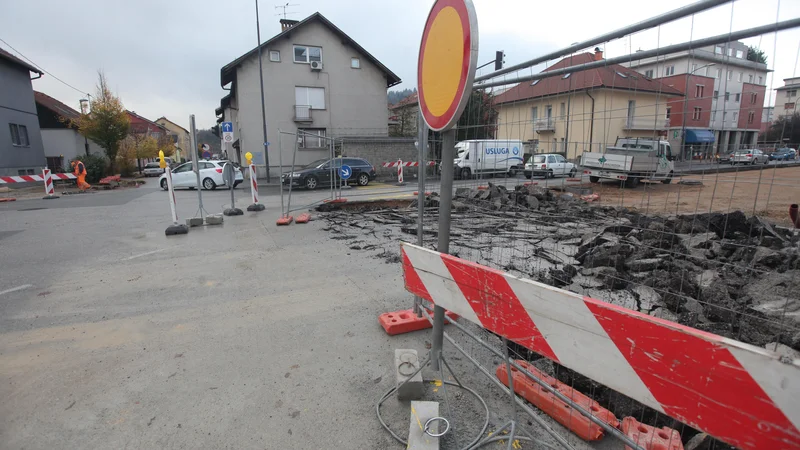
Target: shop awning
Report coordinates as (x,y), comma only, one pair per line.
(699,136)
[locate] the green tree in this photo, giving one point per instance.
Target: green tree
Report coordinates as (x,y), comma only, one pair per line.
(756,54)
(785,130)
(107,122)
(478,121)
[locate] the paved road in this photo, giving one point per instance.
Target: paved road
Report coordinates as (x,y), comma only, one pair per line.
(244,335)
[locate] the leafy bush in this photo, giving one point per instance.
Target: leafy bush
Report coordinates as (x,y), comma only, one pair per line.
(95,167)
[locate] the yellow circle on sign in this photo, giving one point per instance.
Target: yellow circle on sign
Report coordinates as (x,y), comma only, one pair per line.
(442,61)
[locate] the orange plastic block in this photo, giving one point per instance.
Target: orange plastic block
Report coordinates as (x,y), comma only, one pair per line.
(303,218)
(417,193)
(7,199)
(483,188)
(651,438)
(555,408)
(336,200)
(285,220)
(405,321)
(573,179)
(530,183)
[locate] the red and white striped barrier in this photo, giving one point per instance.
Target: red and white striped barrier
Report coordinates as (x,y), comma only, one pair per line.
(399,172)
(406,164)
(253,184)
(738,393)
(33,178)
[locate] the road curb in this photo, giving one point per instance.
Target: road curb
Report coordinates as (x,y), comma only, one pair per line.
(730,168)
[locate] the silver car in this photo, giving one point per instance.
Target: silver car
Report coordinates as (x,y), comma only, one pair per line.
(152,169)
(750,156)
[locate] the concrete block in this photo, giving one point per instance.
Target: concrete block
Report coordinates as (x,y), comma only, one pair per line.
(176,229)
(194,221)
(233,212)
(214,219)
(256,207)
(406,362)
(420,413)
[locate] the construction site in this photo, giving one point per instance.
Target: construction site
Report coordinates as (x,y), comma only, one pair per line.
(566,264)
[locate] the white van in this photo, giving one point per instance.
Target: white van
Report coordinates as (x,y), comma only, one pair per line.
(488,156)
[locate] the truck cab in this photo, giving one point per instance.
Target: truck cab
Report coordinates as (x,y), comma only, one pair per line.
(631,160)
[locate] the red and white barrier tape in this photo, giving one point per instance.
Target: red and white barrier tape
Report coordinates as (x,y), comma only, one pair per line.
(738,393)
(406,163)
(33,178)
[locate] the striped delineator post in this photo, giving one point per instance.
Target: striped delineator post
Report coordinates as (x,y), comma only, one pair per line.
(175,228)
(172,201)
(399,171)
(49,189)
(254,185)
(738,393)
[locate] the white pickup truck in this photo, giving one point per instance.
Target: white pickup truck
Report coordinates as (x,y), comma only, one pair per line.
(631,160)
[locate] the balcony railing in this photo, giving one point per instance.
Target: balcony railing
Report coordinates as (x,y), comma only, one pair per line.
(548,124)
(646,123)
(302,113)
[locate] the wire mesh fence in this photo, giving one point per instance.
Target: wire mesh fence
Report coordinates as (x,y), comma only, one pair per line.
(642,182)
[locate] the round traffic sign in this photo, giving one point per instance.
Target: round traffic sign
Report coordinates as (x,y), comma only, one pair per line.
(228,138)
(446,64)
(206,154)
(345,172)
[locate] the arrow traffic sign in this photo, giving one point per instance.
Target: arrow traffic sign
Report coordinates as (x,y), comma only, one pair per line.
(345,171)
(227,131)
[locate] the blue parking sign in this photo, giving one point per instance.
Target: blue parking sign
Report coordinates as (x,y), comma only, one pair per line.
(345,172)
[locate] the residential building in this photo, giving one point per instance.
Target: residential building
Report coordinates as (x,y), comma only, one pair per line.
(403,118)
(141,125)
(317,80)
(180,137)
(767,118)
(21,149)
(737,95)
(786,97)
(584,110)
(61,140)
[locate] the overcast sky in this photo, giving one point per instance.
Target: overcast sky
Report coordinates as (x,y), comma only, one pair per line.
(163,57)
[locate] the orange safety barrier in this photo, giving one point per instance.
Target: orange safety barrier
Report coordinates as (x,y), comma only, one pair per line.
(285,220)
(555,408)
(405,321)
(651,438)
(483,188)
(7,199)
(303,218)
(336,200)
(574,179)
(417,193)
(530,183)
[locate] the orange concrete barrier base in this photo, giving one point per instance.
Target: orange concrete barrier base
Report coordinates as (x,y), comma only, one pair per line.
(651,438)
(573,179)
(555,408)
(530,183)
(417,193)
(336,200)
(286,220)
(303,218)
(3,200)
(405,321)
(483,188)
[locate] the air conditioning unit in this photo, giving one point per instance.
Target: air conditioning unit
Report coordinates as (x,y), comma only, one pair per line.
(316,65)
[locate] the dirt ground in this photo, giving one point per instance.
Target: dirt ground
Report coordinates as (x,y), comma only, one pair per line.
(774,189)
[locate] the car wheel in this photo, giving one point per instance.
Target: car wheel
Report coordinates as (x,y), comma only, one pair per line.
(466,174)
(208,184)
(164,184)
(594,179)
(550,174)
(630,183)
(572,173)
(363,179)
(766,161)
(512,172)
(668,180)
(311,182)
(529,176)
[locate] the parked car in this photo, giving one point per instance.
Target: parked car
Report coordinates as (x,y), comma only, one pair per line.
(324,171)
(783,154)
(152,169)
(210,175)
(724,157)
(751,156)
(549,165)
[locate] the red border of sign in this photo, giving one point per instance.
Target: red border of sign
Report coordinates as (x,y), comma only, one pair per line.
(438,123)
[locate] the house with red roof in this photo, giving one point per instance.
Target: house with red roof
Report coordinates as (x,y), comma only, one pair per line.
(585,110)
(62,142)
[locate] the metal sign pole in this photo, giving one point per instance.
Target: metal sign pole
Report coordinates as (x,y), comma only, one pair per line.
(229,175)
(195,166)
(291,171)
(280,164)
(443,246)
(422,135)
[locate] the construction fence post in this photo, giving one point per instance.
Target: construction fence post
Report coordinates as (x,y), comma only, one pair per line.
(422,133)
(443,245)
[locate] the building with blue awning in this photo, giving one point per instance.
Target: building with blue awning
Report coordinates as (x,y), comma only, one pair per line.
(699,136)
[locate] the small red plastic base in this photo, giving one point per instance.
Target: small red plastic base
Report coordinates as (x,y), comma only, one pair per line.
(405,321)
(303,218)
(286,220)
(417,193)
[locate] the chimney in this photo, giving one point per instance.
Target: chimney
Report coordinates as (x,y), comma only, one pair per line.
(598,54)
(287,23)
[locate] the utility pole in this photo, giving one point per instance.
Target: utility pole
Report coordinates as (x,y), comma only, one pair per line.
(261,79)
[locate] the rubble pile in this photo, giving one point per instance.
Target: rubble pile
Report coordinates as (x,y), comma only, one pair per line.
(725,273)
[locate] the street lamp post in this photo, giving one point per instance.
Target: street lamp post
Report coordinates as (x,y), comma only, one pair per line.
(686,107)
(263,108)
(84,102)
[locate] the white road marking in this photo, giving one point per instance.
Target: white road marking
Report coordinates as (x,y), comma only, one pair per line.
(18,288)
(143,254)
